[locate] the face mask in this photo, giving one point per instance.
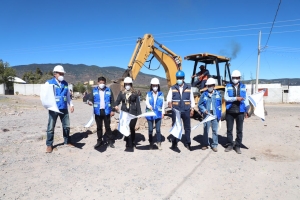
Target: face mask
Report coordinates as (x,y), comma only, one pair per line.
(210,89)
(60,78)
(235,81)
(101,85)
(127,87)
(154,89)
(179,82)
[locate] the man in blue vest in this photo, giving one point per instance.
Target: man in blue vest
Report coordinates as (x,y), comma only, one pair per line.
(62,97)
(237,105)
(102,99)
(180,97)
(211,103)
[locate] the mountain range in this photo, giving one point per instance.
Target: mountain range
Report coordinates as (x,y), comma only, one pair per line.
(83,73)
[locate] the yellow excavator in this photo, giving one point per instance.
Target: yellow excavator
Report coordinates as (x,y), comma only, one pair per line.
(146,46)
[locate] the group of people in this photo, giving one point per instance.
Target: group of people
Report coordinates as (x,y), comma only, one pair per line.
(179,97)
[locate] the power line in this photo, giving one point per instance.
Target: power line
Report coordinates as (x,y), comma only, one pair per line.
(134,37)
(273,24)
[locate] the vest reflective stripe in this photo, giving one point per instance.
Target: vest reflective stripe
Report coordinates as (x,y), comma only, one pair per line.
(107,96)
(60,93)
(181,102)
(217,103)
(158,105)
(231,92)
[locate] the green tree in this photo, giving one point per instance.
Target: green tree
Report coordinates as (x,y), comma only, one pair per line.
(79,87)
(6,73)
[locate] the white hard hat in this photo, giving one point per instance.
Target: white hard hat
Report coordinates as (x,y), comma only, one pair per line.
(59,68)
(236,73)
(154,81)
(127,80)
(210,81)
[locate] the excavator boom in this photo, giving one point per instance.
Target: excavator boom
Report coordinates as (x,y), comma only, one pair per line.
(146,46)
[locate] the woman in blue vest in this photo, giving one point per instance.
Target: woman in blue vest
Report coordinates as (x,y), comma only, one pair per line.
(155,102)
(237,105)
(211,104)
(131,104)
(62,97)
(102,98)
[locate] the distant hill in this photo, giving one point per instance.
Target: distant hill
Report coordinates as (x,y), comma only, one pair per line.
(83,73)
(283,81)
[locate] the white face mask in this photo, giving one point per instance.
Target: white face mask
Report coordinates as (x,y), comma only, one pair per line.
(127,87)
(60,78)
(101,85)
(210,89)
(235,81)
(179,82)
(155,89)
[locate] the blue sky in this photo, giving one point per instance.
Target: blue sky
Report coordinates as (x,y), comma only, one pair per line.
(104,33)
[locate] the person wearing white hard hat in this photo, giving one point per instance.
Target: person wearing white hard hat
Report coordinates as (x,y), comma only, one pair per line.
(211,104)
(131,104)
(155,102)
(237,105)
(63,99)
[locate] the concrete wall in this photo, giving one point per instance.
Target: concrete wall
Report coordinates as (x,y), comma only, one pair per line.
(27,89)
(2,90)
(294,94)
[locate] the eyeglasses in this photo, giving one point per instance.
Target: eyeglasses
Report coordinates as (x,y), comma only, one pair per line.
(60,73)
(236,77)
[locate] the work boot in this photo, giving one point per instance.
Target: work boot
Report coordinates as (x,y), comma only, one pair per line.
(215,149)
(229,148)
(99,144)
(49,149)
(238,150)
(111,144)
(151,146)
(174,145)
(159,145)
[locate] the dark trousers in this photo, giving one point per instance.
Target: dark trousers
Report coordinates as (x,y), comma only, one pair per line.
(65,121)
(99,121)
(131,138)
(185,116)
(239,119)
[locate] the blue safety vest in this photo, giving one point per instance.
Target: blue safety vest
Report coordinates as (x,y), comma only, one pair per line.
(216,101)
(61,92)
(232,93)
(107,96)
(181,102)
(157,108)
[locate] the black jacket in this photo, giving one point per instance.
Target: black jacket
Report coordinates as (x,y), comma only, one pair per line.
(134,103)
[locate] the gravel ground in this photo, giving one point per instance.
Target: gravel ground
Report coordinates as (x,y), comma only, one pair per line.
(268,167)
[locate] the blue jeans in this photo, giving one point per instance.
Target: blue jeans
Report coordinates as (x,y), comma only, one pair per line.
(214,126)
(64,118)
(150,129)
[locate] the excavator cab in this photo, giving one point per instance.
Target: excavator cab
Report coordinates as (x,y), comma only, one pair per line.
(210,60)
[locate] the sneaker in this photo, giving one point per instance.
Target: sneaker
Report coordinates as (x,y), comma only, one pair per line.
(99,144)
(49,149)
(238,150)
(204,148)
(159,145)
(215,149)
(229,148)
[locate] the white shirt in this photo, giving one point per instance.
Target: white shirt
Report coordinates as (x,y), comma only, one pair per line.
(170,94)
(154,98)
(101,96)
(69,100)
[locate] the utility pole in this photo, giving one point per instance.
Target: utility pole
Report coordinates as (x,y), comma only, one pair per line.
(258,62)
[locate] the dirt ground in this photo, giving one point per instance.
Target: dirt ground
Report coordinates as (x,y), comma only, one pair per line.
(268,167)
